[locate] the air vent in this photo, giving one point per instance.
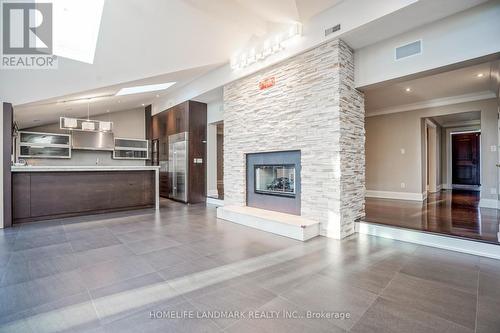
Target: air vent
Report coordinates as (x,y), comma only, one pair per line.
(408,50)
(331,30)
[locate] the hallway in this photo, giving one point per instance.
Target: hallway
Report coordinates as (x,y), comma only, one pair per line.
(450,212)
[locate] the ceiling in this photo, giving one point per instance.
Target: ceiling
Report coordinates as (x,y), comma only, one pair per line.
(175,40)
(102,100)
(453,83)
(450,120)
(137,41)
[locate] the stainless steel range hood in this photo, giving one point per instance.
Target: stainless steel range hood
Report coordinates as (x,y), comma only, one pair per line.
(93,140)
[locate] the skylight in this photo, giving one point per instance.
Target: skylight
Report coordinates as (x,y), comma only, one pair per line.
(143,89)
(76,28)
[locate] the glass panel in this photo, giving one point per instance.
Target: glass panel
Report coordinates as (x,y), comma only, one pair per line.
(47,152)
(44,139)
(131,143)
(275,179)
(131,154)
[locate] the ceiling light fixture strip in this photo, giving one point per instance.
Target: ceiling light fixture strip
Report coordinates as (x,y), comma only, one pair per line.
(268,48)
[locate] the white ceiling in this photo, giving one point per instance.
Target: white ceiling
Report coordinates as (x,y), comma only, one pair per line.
(101,100)
(175,40)
(452,83)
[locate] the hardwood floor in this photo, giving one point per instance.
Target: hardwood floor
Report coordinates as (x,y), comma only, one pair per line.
(451,212)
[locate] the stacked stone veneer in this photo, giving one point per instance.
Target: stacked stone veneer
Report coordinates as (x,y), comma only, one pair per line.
(313,107)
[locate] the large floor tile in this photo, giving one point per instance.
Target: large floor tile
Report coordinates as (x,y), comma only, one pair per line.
(385,316)
(152,244)
(488,320)
(127,297)
(461,278)
(94,241)
(102,254)
(110,272)
(26,270)
(24,296)
(321,293)
(433,297)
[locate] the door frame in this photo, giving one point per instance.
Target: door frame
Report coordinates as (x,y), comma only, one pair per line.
(431,158)
(449,156)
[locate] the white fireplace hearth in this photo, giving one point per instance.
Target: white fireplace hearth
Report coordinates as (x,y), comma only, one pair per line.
(282,224)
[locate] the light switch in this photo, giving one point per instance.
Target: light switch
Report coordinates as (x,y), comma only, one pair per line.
(493,190)
(493,148)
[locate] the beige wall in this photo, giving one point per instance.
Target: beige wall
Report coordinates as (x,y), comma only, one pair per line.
(126,124)
(386,135)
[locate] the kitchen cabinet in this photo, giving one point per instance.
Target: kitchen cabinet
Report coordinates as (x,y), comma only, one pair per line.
(190,117)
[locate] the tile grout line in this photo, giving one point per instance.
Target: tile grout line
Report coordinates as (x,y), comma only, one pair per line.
(477,297)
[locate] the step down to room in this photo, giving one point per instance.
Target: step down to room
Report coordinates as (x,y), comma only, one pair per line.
(287,225)
(430,239)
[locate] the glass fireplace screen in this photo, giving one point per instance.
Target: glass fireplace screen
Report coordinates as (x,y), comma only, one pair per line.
(275,179)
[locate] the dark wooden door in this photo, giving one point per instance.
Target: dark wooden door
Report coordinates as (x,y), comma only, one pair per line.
(465,159)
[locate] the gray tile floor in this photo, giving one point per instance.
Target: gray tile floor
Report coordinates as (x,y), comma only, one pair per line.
(108,273)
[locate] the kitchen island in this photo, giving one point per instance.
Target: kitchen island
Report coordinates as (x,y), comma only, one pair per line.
(49,192)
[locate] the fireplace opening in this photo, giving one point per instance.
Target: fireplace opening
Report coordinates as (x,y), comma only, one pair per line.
(273,181)
(276,180)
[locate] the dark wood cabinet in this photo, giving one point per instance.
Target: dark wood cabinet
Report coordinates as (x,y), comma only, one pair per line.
(190,117)
(45,195)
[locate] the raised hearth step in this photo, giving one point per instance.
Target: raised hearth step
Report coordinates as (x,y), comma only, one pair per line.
(283,224)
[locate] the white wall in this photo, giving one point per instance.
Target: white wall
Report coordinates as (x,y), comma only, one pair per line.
(215,113)
(464,36)
(386,135)
(126,124)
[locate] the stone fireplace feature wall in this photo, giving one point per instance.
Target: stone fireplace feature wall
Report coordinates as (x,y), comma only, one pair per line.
(312,107)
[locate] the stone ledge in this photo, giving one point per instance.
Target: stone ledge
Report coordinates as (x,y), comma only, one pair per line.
(287,225)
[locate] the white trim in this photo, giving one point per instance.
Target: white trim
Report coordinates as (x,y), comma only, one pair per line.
(479,96)
(476,122)
(488,203)
(215,202)
(428,239)
(395,195)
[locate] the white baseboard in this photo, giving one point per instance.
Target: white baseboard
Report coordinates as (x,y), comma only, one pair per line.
(215,202)
(395,195)
(428,239)
(488,203)
(213,193)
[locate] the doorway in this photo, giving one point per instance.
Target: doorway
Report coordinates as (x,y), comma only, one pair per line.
(465,167)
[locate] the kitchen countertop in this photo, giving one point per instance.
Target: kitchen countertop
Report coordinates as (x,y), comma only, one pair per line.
(46,168)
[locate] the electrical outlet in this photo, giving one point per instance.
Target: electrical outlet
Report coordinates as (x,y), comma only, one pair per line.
(493,148)
(403,185)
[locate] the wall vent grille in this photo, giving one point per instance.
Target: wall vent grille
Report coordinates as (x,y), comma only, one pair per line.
(331,30)
(408,50)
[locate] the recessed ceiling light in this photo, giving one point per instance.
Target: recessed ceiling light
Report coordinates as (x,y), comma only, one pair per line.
(119,101)
(157,96)
(408,89)
(143,89)
(480,75)
(107,110)
(143,104)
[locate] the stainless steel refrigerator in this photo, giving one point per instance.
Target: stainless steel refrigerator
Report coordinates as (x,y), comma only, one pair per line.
(178,165)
